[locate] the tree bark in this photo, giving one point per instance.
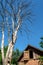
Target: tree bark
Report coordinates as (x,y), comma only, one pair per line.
(2,46)
(11,45)
(10,50)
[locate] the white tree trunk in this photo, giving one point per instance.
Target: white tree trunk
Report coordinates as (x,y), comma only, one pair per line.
(7,59)
(10,50)
(2,46)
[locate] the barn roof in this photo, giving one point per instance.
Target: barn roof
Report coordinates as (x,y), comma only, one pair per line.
(29,46)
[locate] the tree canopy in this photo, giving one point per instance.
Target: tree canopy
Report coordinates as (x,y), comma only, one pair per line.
(18,11)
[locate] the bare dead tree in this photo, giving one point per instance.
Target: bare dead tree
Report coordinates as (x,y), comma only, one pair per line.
(13,18)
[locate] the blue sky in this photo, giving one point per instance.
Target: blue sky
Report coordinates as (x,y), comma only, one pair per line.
(36,29)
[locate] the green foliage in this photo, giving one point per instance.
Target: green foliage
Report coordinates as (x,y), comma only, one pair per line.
(5,49)
(15,56)
(41,58)
(0,58)
(41,45)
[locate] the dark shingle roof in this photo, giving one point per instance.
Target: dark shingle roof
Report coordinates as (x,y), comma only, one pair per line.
(29,46)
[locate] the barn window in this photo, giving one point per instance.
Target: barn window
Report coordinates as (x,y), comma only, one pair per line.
(31,54)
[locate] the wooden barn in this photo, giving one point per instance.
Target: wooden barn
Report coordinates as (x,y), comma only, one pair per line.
(30,56)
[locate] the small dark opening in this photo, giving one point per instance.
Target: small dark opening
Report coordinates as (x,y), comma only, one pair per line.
(8,61)
(31,54)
